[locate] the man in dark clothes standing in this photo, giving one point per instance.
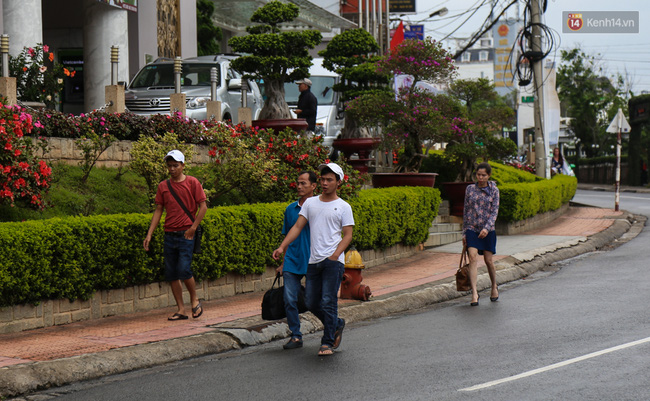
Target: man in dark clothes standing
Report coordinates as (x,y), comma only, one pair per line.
(307,104)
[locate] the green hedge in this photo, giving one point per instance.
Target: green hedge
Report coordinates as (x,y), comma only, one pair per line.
(504,174)
(520,201)
(74,257)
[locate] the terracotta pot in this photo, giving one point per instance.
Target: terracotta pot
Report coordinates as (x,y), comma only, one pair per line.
(384,180)
(456,193)
(278,125)
(360,146)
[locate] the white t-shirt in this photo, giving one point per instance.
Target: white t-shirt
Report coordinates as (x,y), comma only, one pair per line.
(326,221)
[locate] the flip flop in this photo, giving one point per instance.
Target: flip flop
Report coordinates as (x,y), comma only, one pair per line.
(325,350)
(338,335)
(177,316)
(196,308)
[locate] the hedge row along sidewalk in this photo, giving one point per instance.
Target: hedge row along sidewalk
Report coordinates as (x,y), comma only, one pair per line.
(75,257)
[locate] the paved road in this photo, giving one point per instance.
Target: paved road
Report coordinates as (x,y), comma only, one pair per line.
(638,203)
(578,331)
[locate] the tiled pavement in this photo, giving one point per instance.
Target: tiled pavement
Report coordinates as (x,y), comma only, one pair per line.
(143,327)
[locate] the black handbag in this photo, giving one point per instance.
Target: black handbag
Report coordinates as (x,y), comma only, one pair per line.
(198,234)
(273,301)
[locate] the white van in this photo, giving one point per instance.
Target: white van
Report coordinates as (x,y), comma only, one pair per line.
(330,116)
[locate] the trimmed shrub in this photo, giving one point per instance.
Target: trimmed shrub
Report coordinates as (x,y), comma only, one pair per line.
(504,174)
(74,257)
(520,201)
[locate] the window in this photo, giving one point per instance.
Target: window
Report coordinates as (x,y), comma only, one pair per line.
(486,42)
(466,57)
(483,55)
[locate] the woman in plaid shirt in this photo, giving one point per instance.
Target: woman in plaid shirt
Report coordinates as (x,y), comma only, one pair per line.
(479,217)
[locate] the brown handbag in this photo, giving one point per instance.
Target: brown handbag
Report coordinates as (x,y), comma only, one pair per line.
(462,274)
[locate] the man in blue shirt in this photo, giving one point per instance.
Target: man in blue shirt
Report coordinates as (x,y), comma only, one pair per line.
(296,258)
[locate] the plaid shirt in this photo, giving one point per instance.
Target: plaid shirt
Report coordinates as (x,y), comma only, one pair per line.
(481,207)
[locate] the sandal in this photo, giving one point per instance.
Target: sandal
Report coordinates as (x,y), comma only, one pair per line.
(325,350)
(195,309)
(338,335)
(177,316)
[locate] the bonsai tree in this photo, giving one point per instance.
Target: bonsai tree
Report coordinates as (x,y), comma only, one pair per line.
(411,117)
(476,133)
(275,57)
(350,54)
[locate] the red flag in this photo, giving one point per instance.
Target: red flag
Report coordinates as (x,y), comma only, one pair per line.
(398,36)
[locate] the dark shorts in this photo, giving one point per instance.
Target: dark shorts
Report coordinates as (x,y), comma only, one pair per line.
(489,243)
(178,253)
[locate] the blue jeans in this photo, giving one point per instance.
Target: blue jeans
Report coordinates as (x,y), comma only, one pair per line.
(178,253)
(323,282)
(291,291)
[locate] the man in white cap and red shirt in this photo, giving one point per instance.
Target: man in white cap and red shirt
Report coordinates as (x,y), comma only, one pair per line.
(307,104)
(180,229)
(330,223)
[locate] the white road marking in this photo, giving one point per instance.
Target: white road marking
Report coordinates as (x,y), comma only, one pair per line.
(555,365)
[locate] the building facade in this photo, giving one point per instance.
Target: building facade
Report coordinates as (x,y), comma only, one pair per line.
(81,33)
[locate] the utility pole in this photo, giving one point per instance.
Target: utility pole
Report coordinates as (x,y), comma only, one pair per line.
(538,82)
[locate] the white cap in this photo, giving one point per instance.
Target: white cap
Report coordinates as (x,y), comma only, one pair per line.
(177,155)
(334,167)
(305,81)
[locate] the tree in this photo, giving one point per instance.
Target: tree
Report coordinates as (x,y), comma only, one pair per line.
(274,57)
(349,54)
(413,117)
(207,34)
(489,114)
(591,100)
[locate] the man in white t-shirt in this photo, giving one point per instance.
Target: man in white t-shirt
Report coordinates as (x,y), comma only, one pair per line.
(330,222)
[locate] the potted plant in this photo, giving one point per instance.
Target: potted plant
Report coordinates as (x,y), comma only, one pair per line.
(412,119)
(38,79)
(476,134)
(275,57)
(350,54)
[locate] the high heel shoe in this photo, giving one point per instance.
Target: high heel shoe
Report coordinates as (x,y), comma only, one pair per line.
(475,303)
(494,299)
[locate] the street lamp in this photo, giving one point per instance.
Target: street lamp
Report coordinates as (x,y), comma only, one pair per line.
(440,13)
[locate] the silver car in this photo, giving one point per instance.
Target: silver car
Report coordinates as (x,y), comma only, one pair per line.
(149,91)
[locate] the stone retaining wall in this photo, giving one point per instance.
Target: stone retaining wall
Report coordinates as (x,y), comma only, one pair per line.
(154,296)
(117,155)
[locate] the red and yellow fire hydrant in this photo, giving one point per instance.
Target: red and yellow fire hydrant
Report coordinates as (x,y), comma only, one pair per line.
(351,287)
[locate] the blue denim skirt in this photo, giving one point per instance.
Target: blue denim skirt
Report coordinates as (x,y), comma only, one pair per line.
(489,243)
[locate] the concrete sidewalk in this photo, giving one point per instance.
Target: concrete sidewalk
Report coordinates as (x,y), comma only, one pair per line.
(59,355)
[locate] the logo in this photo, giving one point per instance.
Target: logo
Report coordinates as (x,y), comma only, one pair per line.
(574,22)
(503,30)
(154,102)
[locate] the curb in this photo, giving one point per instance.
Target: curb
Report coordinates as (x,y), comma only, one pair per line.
(28,378)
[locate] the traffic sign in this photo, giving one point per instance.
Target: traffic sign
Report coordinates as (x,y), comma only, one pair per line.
(619,124)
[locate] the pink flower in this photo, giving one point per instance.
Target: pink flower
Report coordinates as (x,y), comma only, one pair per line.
(46,48)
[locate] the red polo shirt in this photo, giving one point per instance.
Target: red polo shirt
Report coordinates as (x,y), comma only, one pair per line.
(190,192)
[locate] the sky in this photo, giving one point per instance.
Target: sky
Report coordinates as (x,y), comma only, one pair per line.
(627,54)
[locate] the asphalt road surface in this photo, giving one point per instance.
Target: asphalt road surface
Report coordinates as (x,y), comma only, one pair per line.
(579,330)
(637,203)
